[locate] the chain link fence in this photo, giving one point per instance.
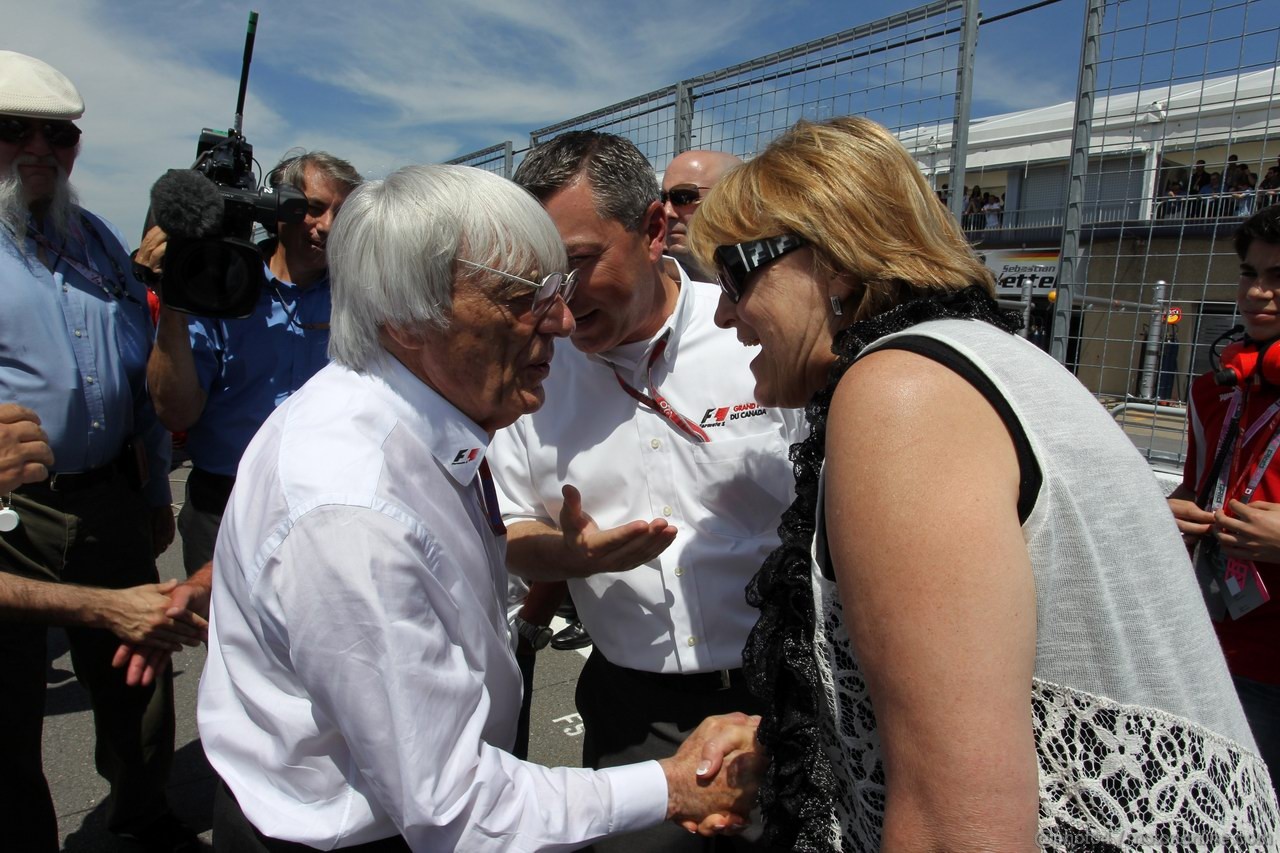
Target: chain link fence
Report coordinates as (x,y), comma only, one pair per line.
(1107,219)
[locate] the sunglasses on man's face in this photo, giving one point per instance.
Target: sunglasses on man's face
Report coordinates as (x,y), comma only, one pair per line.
(545,292)
(736,263)
(19,131)
(683,195)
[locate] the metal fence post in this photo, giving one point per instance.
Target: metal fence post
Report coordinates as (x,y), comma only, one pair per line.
(1070,268)
(1151,355)
(684,117)
(964,96)
(507,158)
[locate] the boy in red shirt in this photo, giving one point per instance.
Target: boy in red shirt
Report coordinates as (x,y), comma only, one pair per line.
(1244,522)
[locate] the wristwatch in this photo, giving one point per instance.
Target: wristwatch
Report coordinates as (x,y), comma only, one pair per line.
(536,636)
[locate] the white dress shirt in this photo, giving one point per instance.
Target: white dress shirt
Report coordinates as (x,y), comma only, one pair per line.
(360,679)
(686,610)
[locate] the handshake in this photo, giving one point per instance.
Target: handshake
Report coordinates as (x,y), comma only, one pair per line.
(713,777)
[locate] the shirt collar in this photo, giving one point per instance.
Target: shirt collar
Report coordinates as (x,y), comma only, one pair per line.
(457,442)
(630,357)
(267,248)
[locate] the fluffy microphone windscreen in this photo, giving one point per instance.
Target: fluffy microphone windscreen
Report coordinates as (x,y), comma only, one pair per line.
(186,204)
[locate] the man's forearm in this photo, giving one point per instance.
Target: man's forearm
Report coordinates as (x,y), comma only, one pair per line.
(26,600)
(537,551)
(171,374)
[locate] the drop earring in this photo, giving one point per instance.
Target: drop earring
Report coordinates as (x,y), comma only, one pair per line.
(835,306)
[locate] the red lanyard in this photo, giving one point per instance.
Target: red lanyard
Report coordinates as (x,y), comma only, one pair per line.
(657,402)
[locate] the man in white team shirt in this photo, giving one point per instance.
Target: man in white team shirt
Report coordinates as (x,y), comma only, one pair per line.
(651,480)
(361,690)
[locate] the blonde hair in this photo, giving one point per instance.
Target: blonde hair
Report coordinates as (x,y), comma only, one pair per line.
(849,188)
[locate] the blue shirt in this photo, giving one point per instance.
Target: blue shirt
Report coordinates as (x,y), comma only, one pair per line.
(248,367)
(75,351)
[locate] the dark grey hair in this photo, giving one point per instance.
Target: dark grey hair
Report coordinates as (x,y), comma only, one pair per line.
(622,181)
(292,169)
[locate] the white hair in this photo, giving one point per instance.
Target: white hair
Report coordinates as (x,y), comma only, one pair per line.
(15,205)
(393,248)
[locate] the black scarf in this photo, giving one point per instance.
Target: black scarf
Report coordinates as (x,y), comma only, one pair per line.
(798,792)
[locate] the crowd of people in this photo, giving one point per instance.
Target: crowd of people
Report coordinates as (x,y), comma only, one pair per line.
(1233,192)
(853,581)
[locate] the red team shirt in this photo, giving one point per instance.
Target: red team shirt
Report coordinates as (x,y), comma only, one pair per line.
(1249,643)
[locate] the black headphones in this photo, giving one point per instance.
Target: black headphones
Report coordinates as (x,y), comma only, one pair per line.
(1244,359)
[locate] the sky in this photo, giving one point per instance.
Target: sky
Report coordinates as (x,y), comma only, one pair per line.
(385,83)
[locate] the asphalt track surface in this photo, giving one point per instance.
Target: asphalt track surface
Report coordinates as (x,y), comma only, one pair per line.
(79,792)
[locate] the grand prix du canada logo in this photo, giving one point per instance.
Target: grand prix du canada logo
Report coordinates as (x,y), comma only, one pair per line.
(720,416)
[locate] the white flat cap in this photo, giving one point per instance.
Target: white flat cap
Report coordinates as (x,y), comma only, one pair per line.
(35,89)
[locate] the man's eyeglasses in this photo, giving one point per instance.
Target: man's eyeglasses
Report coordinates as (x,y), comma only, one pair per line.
(683,195)
(560,283)
(18,131)
(734,264)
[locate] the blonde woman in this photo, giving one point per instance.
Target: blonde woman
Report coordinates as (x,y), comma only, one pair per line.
(981,630)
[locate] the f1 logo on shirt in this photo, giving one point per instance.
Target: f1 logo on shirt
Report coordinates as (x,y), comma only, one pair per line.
(718,417)
(465,456)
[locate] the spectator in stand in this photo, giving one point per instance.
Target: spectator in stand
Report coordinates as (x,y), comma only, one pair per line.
(1268,188)
(1199,178)
(973,210)
(1238,173)
(992,210)
(1241,202)
(1171,206)
(1228,505)
(1211,197)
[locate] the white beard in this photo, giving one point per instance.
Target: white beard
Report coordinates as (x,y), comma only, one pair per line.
(14,206)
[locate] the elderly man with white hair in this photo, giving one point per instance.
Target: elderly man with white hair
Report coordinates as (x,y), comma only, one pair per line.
(361,690)
(74,337)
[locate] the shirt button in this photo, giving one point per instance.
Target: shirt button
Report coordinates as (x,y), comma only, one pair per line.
(97,425)
(89,379)
(655,443)
(78,333)
(679,571)
(693,641)
(666,510)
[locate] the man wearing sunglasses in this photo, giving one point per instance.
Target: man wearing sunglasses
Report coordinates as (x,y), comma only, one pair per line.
(688,178)
(74,337)
(219,379)
(650,480)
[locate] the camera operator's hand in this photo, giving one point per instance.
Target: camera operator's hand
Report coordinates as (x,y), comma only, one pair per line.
(151,253)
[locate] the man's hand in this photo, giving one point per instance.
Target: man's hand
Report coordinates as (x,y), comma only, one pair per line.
(188,603)
(25,456)
(1251,532)
(1193,522)
(163,528)
(143,664)
(713,778)
(615,550)
(141,615)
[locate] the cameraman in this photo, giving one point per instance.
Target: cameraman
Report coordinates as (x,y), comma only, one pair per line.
(220,379)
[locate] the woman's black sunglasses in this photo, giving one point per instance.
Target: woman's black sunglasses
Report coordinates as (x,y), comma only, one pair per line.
(734,264)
